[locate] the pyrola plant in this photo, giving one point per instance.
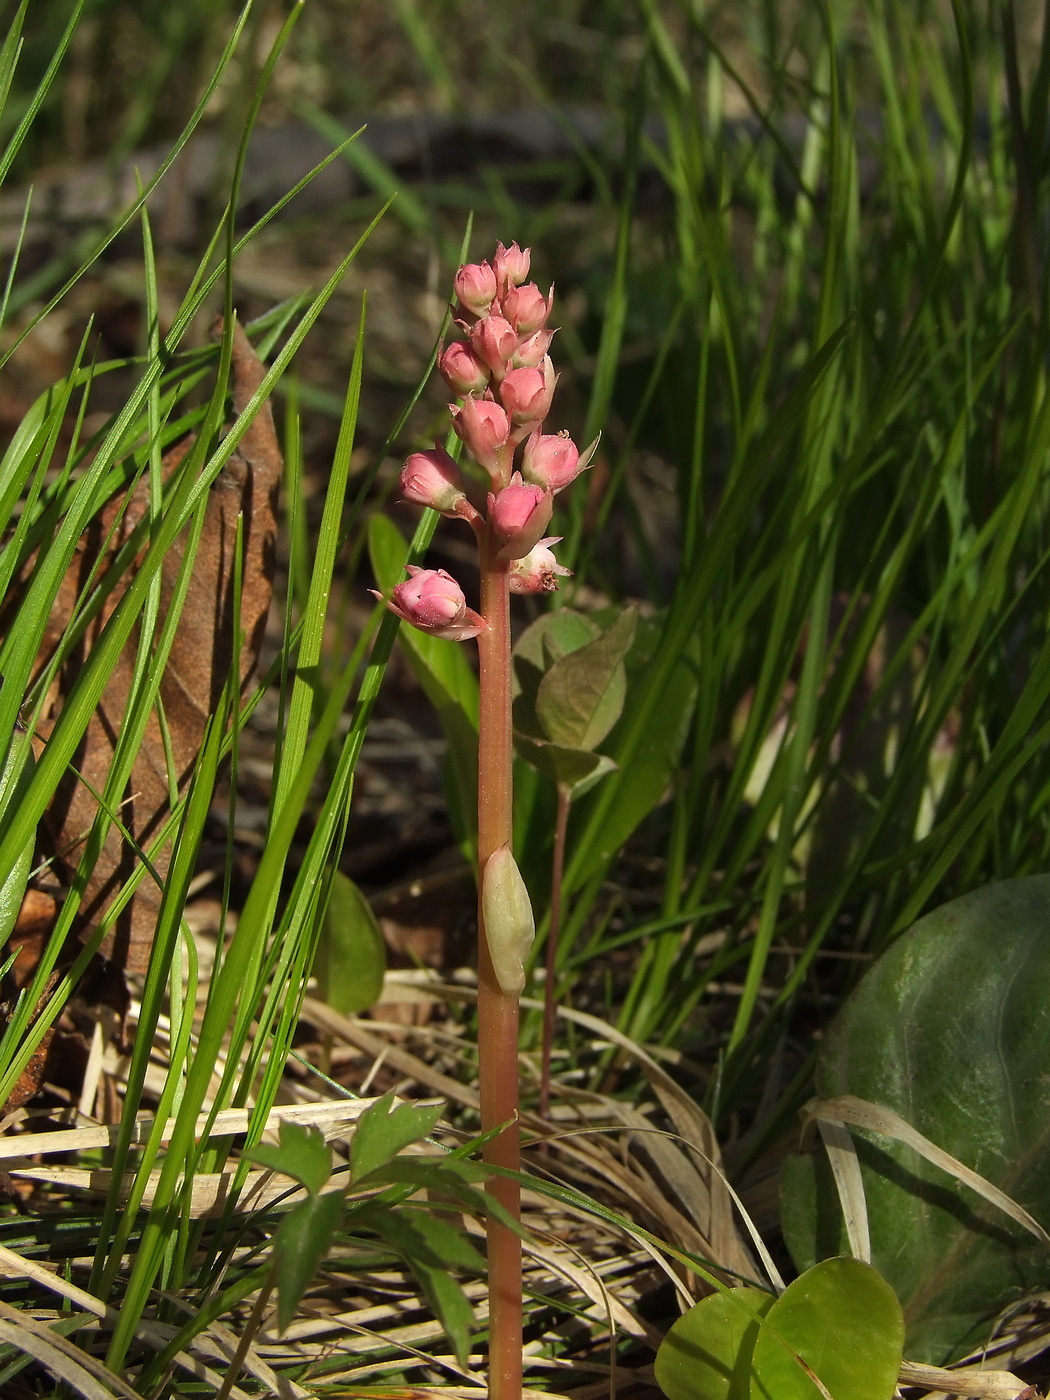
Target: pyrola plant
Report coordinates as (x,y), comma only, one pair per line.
(502,373)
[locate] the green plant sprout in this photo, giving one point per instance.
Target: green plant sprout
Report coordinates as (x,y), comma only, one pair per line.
(505,378)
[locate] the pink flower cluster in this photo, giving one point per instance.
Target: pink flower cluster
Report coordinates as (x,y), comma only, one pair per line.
(502,370)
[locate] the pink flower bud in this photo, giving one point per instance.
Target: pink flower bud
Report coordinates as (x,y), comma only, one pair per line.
(527,394)
(519,514)
(432,479)
(539,570)
(484,428)
(550,460)
(494,341)
(475,285)
(461,370)
(433,601)
(526,308)
(511,265)
(532,351)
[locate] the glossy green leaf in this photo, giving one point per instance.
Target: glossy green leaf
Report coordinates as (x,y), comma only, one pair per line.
(842,1321)
(383,1130)
(351,956)
(304,1237)
(581,696)
(951,1029)
(707,1353)
(301,1152)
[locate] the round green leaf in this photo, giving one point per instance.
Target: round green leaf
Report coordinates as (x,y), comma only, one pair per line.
(951,1029)
(545,641)
(553,635)
(581,696)
(707,1353)
(842,1321)
(351,955)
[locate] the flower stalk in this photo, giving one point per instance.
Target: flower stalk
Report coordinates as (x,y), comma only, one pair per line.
(504,376)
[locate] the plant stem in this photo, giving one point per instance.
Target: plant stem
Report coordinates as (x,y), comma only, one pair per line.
(498,1011)
(550,1004)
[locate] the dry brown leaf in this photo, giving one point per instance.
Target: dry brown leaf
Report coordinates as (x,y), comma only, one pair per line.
(877,1118)
(332,1117)
(983,1385)
(197,670)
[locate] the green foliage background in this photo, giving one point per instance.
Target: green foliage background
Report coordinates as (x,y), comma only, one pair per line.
(802,275)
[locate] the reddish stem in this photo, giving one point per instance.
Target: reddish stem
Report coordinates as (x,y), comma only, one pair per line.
(498,1012)
(550,1004)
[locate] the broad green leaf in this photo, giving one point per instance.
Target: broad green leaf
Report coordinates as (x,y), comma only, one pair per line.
(707,1353)
(581,696)
(550,637)
(553,635)
(951,1029)
(383,1130)
(449,1171)
(301,1152)
(351,956)
(445,674)
(843,1321)
(304,1237)
(576,769)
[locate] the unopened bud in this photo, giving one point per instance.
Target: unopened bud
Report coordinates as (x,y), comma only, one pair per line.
(433,601)
(519,514)
(484,428)
(432,479)
(475,286)
(507,915)
(462,371)
(526,308)
(494,341)
(511,265)
(527,393)
(552,460)
(532,351)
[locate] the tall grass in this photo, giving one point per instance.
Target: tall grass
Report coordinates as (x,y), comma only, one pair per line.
(848,381)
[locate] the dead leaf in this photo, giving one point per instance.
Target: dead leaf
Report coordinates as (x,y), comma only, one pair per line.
(196,673)
(36,919)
